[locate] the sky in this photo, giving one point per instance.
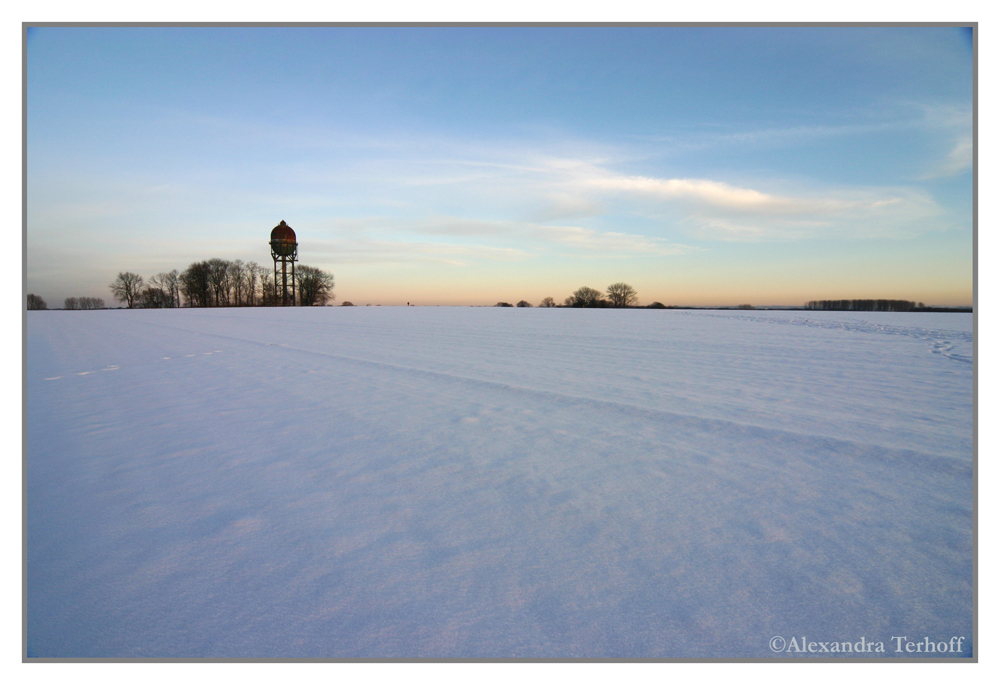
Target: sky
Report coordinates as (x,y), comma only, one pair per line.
(465,166)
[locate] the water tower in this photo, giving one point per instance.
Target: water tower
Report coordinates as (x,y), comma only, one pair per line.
(285,250)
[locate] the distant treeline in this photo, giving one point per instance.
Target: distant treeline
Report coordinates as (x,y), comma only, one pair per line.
(220,283)
(619,295)
(83,303)
(865,305)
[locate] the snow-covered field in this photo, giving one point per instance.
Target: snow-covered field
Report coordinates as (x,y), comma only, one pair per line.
(463,482)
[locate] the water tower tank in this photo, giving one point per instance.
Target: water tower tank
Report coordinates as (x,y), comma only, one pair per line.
(283,240)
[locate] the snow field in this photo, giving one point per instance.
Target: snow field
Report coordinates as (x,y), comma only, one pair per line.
(460,482)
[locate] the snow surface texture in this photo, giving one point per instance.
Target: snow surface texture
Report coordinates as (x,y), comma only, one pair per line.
(462,482)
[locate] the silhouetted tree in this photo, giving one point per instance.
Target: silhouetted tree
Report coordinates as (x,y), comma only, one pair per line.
(251,273)
(503,304)
(266,276)
(156,294)
(153,297)
(194,283)
(548,302)
(586,297)
(126,288)
(71,303)
(218,279)
(523,303)
(656,305)
(622,295)
(237,273)
(36,302)
(347,304)
(170,282)
(315,286)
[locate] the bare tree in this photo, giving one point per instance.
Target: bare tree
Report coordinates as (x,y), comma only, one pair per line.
(251,273)
(155,294)
(622,295)
(71,303)
(195,285)
(315,286)
(266,286)
(36,302)
(586,297)
(523,303)
(171,284)
(126,288)
(166,284)
(218,278)
(237,271)
(153,297)
(547,302)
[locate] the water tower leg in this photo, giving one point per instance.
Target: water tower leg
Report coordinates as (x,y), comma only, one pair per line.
(284,283)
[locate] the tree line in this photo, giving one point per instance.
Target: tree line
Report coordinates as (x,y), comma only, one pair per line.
(220,283)
(83,303)
(865,305)
(619,296)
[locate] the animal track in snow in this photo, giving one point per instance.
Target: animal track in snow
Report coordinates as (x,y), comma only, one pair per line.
(942,342)
(116,367)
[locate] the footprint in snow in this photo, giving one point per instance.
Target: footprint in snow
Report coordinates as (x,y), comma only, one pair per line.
(116,367)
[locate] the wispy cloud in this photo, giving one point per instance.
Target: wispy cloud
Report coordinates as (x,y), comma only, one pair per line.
(957,161)
(370,251)
(542,238)
(504,201)
(856,214)
(716,209)
(779,136)
(610,243)
(545,192)
(955,122)
(710,193)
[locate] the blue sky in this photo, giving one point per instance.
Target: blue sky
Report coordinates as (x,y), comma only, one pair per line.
(471,165)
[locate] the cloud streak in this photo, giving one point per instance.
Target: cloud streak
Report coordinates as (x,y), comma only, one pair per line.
(957,161)
(369,251)
(533,240)
(708,193)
